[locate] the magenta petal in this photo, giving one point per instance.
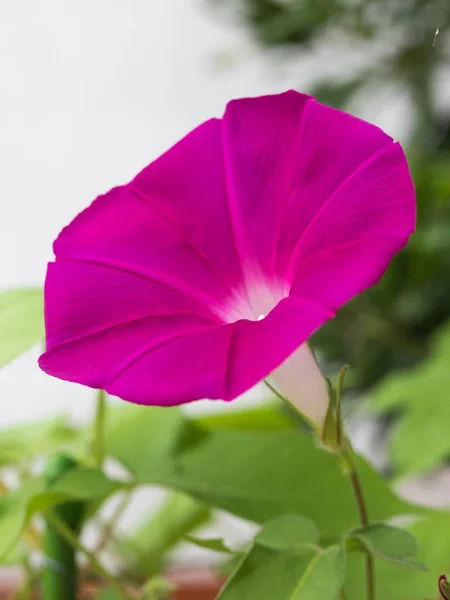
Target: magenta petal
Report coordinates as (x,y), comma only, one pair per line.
(187,186)
(99,358)
(350,244)
(334,147)
(262,139)
(157,228)
(258,347)
(217,262)
(82,299)
(175,359)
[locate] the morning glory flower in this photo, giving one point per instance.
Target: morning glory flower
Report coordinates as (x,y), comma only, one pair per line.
(209,271)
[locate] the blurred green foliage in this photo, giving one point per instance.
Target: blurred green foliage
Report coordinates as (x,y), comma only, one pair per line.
(21,322)
(420,439)
(258,464)
(402,49)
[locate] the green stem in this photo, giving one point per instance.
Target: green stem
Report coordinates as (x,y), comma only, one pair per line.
(98,442)
(96,565)
(363,517)
(339,389)
(60,575)
(343,450)
(110,526)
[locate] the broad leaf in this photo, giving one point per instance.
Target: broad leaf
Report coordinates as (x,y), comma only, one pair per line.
(307,573)
(86,484)
(257,475)
(420,439)
(288,532)
(273,415)
(154,535)
(394,582)
(18,508)
(21,322)
(386,542)
(26,442)
(13,515)
(136,434)
(214,544)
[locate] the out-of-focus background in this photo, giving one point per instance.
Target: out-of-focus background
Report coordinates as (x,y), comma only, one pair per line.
(90,92)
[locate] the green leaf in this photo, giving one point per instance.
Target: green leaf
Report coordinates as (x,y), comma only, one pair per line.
(307,573)
(257,475)
(21,322)
(13,514)
(420,439)
(386,542)
(85,483)
(82,483)
(288,532)
(18,508)
(273,415)
(27,442)
(158,532)
(138,434)
(215,544)
(394,582)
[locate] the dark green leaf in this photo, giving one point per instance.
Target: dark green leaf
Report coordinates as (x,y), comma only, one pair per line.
(386,542)
(287,532)
(308,573)
(21,322)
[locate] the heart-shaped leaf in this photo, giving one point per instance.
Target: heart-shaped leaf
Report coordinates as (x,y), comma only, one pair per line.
(288,532)
(257,475)
(307,573)
(386,542)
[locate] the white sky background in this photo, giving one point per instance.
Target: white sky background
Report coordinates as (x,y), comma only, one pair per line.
(90,92)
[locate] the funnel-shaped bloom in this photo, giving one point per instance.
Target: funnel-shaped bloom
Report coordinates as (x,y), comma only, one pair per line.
(215,264)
